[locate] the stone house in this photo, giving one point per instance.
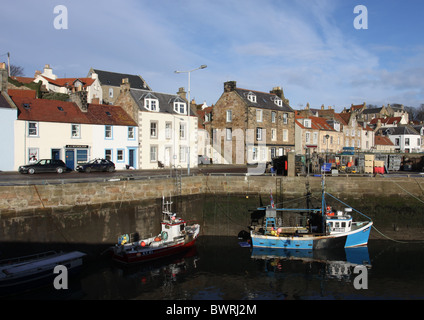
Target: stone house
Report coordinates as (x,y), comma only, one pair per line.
(167,135)
(110,83)
(250,126)
(314,134)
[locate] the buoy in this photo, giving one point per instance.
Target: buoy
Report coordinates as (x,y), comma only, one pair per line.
(143,244)
(157,239)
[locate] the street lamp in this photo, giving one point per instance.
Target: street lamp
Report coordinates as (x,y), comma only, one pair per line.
(203,66)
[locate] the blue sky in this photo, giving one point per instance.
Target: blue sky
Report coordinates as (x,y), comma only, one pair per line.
(308,47)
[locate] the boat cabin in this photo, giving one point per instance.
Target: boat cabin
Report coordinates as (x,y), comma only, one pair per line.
(339,222)
(172,228)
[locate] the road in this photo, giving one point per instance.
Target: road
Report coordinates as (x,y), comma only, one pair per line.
(15,178)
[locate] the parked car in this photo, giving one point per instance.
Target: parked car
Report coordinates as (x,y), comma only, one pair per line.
(204,160)
(44,165)
(96,165)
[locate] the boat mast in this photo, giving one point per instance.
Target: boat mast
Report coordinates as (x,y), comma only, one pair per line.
(323,204)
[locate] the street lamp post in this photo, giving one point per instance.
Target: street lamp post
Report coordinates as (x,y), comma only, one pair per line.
(188,113)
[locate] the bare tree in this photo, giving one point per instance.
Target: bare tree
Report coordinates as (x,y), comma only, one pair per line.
(16,71)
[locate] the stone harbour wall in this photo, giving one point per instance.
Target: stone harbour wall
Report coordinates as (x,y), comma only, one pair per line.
(15,199)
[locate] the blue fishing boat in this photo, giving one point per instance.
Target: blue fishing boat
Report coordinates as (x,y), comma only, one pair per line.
(322,228)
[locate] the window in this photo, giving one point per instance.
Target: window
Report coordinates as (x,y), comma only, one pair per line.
(183,154)
(33,129)
(307,137)
(273,116)
(108,132)
(278,102)
(254,153)
(131,133)
(110,92)
(108,154)
(397,141)
(182,131)
(273,153)
(168,130)
(229,115)
(82,155)
(153,129)
(75,131)
(273,134)
(285,135)
(307,123)
(259,134)
(153,153)
(120,155)
(285,121)
(180,107)
(315,138)
(151,103)
(406,141)
(251,97)
(259,115)
(229,134)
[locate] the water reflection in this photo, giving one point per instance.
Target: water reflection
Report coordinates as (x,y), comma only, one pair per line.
(332,264)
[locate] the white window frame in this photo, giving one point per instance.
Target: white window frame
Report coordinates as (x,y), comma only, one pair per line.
(33,132)
(229,115)
(180,107)
(259,115)
(151,104)
(75,131)
(259,134)
(154,129)
(153,153)
(251,97)
(168,130)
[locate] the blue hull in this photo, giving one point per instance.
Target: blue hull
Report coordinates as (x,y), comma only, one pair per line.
(355,238)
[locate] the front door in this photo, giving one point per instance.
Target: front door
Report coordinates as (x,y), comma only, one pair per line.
(56,154)
(70,159)
(131,158)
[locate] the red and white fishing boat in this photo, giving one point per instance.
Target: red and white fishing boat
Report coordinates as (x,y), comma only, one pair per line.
(176,236)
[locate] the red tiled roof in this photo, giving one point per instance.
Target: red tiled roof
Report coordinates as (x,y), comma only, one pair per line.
(316,123)
(69,112)
(69,82)
(390,120)
(16,93)
(381,140)
(23,79)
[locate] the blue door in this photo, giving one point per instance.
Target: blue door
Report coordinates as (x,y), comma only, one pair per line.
(70,159)
(131,158)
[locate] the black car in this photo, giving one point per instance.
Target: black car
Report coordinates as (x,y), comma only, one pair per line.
(97,165)
(44,165)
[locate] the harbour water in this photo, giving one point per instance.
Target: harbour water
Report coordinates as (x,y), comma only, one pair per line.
(221,266)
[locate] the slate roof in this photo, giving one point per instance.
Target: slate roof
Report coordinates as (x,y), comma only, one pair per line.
(399,130)
(263,100)
(166,101)
(115,79)
(68,112)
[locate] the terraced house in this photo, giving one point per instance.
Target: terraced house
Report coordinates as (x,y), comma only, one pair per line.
(167,135)
(250,126)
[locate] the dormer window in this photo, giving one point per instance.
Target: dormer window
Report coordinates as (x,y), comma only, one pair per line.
(251,97)
(278,101)
(180,106)
(151,102)
(307,123)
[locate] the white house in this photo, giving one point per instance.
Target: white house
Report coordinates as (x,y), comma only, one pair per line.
(405,138)
(67,85)
(167,135)
(62,130)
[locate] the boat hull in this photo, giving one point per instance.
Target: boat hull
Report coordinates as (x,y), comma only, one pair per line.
(354,238)
(31,274)
(145,255)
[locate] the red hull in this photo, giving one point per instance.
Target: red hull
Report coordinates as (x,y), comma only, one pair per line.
(155,253)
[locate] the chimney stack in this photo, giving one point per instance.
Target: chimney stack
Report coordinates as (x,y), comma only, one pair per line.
(230,86)
(278,91)
(125,85)
(80,99)
(181,92)
(3,77)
